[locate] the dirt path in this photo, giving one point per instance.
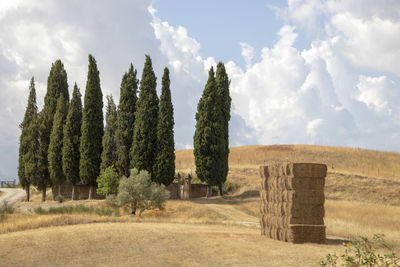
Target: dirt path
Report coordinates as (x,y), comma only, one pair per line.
(235,215)
(11,195)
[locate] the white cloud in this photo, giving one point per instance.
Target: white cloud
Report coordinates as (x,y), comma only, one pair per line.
(247,53)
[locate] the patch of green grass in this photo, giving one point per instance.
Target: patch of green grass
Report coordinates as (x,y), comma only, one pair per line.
(103,211)
(5,209)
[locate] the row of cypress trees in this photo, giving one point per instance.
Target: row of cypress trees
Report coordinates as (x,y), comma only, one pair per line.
(211,138)
(66,141)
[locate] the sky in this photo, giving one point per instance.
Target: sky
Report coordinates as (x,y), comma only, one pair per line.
(323,72)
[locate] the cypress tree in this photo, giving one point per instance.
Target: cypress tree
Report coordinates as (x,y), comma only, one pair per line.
(224,103)
(56,84)
(57,176)
(209,145)
(126,119)
(109,154)
(28,168)
(92,128)
(71,141)
(143,151)
(164,168)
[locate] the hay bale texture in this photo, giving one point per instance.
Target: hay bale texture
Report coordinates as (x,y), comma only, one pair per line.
(292,202)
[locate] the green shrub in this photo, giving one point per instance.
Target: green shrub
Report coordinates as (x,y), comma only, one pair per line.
(108,182)
(104,211)
(140,192)
(59,198)
(362,252)
(5,209)
(229,187)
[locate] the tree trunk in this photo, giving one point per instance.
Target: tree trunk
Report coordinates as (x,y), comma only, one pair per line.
(209,191)
(59,189)
(73,192)
(140,212)
(44,194)
(221,193)
(27,189)
(91,192)
(133,205)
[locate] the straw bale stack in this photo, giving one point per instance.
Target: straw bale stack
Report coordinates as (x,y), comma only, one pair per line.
(292,202)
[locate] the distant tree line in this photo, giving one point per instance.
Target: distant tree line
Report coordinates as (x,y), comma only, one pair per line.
(67,141)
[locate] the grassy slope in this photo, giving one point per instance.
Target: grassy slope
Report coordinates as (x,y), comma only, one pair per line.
(353,174)
(153,244)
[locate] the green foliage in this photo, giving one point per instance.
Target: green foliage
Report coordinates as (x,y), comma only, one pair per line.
(56,84)
(28,168)
(5,209)
(164,167)
(56,142)
(59,198)
(126,119)
(92,127)
(71,141)
(103,211)
(109,154)
(108,181)
(209,141)
(224,103)
(363,252)
(230,187)
(141,192)
(143,151)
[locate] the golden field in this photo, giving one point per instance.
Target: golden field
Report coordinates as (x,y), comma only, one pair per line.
(215,231)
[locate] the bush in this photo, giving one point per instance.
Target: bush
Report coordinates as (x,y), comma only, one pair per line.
(139,191)
(229,187)
(108,182)
(5,209)
(362,252)
(103,211)
(59,198)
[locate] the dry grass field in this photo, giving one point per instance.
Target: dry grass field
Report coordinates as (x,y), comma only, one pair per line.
(214,231)
(353,174)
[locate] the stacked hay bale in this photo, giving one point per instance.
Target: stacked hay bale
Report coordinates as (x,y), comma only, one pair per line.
(292,202)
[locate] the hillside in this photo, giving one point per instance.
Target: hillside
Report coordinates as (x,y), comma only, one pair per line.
(353,174)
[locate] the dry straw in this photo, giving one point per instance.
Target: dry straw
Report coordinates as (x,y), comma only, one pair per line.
(292,202)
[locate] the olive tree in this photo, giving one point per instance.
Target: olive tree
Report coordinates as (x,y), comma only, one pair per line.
(140,192)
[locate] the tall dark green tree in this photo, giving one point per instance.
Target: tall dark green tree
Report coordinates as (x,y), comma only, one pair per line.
(56,84)
(28,168)
(143,151)
(126,119)
(92,128)
(109,154)
(164,168)
(224,103)
(209,141)
(71,141)
(57,176)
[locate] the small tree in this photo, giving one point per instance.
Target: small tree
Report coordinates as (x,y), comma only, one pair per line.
(108,182)
(139,191)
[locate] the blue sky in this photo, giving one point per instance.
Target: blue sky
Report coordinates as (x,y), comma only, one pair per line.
(323,72)
(219,26)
